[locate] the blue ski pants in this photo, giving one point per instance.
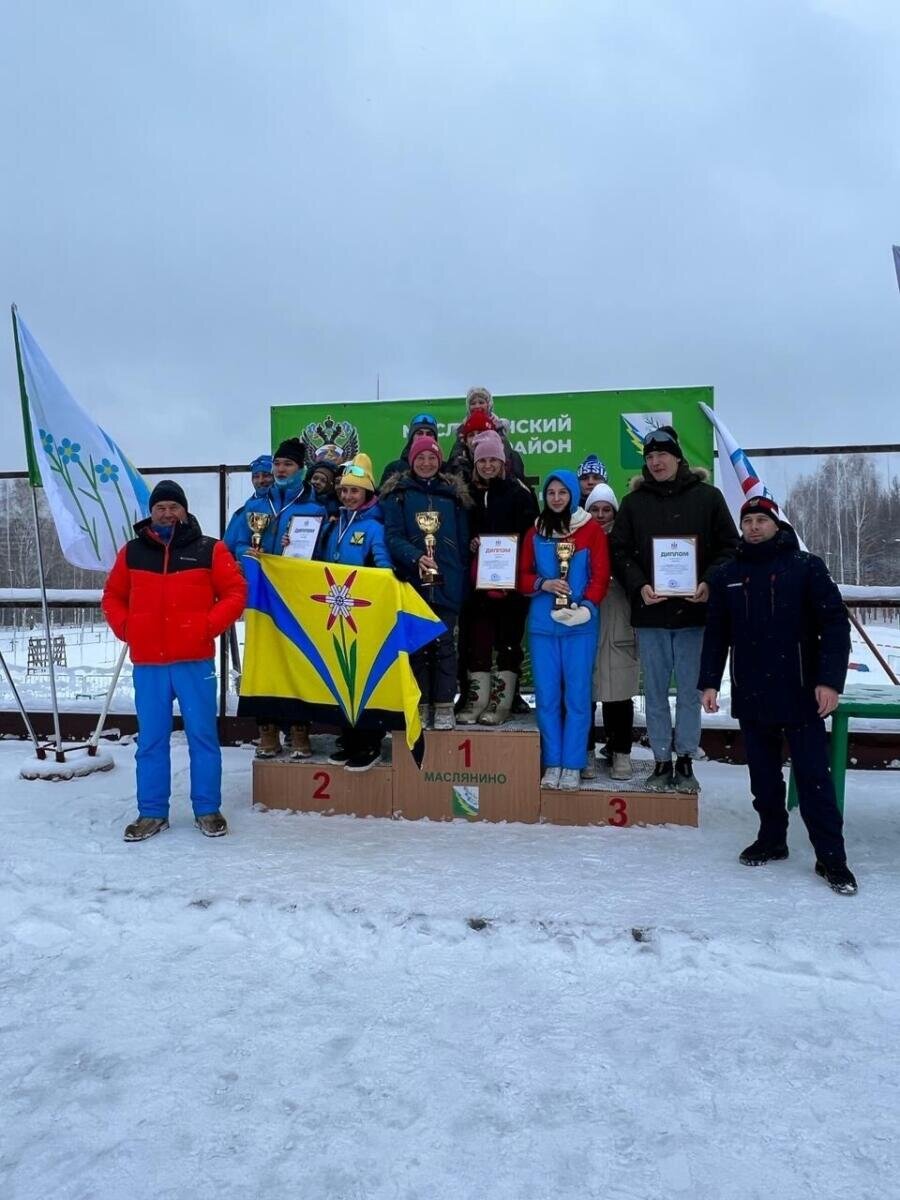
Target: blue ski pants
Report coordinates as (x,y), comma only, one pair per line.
(662,652)
(563,669)
(193,685)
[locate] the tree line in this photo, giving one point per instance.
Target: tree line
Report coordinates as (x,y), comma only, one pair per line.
(846,513)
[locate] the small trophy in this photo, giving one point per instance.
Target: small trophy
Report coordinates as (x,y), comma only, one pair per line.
(564,552)
(429,522)
(258,522)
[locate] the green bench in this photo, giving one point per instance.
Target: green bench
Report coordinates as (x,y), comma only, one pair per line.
(880,700)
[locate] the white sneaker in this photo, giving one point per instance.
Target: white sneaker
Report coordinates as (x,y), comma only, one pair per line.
(550,778)
(569,780)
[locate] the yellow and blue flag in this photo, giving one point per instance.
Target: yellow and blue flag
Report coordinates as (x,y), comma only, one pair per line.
(331,644)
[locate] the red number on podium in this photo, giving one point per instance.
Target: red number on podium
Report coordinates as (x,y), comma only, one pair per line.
(620,809)
(466,748)
(324,781)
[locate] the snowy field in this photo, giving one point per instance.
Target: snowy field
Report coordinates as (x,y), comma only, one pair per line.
(303,1011)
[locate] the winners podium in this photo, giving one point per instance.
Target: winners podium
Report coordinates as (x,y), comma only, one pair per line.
(470,774)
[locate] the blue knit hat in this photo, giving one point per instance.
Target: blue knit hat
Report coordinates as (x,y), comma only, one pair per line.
(593,465)
(262,463)
(569,480)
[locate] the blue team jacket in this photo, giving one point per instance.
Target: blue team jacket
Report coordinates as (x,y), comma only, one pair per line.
(356,539)
(281,502)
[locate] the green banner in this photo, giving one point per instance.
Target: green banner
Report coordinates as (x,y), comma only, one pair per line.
(556,429)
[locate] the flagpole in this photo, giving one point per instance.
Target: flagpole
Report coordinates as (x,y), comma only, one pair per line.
(39,750)
(60,756)
(104,711)
(34,481)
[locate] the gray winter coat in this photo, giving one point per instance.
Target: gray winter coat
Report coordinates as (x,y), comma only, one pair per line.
(616,667)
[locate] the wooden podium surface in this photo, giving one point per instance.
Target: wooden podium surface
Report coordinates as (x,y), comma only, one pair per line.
(468,774)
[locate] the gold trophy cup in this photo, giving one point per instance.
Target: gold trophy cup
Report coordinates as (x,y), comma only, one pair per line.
(258,522)
(429,522)
(564,552)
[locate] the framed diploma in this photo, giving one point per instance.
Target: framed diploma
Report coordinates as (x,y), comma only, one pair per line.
(303,533)
(675,566)
(498,555)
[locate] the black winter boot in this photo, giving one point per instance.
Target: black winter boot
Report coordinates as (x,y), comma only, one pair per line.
(661,780)
(761,852)
(839,878)
(685,779)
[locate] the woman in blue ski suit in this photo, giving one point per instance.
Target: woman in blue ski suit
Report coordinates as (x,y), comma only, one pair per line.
(563,641)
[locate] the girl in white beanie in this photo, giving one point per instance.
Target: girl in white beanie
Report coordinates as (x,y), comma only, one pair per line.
(616,668)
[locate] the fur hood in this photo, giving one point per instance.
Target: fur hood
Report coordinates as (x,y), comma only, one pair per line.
(685,475)
(401,480)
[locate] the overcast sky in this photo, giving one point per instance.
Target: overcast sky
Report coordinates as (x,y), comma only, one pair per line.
(207,207)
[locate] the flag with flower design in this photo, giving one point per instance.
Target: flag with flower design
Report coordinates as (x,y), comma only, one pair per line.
(94,493)
(331,643)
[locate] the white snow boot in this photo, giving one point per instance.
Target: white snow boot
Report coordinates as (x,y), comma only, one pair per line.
(477,697)
(503,692)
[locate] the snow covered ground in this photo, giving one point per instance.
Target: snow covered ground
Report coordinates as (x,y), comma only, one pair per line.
(302,1010)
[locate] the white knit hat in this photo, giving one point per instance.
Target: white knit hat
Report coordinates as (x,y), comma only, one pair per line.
(479,391)
(601,492)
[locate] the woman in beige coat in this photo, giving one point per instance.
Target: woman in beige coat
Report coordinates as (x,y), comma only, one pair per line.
(616,668)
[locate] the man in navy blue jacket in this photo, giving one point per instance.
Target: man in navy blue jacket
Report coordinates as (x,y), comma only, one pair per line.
(780,613)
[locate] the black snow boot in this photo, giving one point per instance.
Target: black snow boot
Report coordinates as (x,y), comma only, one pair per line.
(685,779)
(839,878)
(762,852)
(661,780)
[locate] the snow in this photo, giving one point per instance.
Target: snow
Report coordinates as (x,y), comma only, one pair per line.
(85,596)
(869,593)
(302,1009)
(78,763)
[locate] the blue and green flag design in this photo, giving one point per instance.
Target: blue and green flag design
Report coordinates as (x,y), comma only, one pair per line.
(331,644)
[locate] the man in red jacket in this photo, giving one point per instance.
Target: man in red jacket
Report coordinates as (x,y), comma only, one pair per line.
(170,593)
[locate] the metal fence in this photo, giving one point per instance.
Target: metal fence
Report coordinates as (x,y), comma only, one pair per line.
(215,490)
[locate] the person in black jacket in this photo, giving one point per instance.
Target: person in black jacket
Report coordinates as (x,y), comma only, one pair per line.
(780,614)
(493,620)
(670,499)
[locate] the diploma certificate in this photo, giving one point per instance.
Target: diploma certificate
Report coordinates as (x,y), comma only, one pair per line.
(303,533)
(497,558)
(675,566)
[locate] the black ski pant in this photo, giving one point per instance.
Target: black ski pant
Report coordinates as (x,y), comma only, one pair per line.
(434,666)
(618,727)
(808,744)
(488,624)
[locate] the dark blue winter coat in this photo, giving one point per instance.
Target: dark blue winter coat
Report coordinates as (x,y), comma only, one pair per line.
(780,613)
(356,539)
(294,498)
(402,496)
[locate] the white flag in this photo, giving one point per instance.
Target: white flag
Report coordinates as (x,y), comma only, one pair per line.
(94,493)
(739,478)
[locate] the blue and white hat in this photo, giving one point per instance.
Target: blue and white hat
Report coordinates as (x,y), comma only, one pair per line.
(593,465)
